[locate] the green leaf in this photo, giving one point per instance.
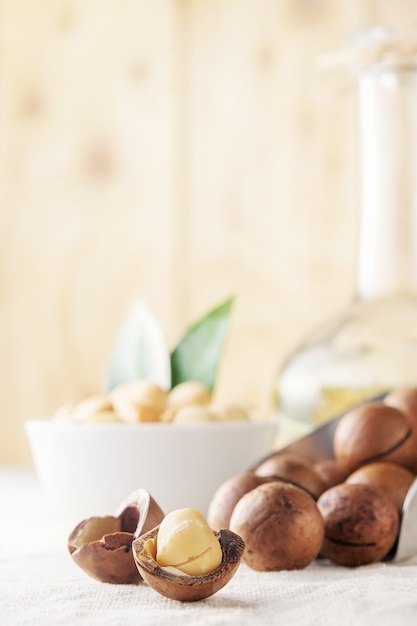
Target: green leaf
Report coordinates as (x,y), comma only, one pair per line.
(140,350)
(197,355)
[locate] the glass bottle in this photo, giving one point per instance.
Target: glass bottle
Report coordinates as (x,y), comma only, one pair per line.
(372,346)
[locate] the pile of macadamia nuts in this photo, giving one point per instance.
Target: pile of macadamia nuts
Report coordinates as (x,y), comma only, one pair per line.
(143,401)
(346,509)
(281,515)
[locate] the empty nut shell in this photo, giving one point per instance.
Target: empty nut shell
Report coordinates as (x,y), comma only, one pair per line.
(360,524)
(102,546)
(182,587)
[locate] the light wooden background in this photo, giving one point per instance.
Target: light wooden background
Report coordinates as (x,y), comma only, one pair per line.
(178,150)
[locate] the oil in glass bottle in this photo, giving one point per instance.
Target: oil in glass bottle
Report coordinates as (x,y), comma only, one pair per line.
(372,346)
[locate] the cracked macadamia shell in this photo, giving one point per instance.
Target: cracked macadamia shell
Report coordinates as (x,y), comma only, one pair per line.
(102,546)
(281,526)
(373,432)
(178,586)
(360,524)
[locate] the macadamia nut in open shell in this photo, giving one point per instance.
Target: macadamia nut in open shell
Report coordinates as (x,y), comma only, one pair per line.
(172,582)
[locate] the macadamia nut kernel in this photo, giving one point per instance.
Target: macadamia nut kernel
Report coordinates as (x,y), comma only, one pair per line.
(172,582)
(187,543)
(194,414)
(139,401)
(189,392)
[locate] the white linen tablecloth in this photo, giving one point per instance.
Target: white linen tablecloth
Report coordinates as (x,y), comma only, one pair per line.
(41,586)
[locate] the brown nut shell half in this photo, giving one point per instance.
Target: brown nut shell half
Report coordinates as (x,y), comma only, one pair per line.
(179,586)
(102,546)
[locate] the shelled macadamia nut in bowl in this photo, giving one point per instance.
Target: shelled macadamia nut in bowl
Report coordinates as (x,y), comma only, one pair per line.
(178,445)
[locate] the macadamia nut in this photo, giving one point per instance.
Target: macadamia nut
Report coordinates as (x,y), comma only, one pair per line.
(293,468)
(394,480)
(139,401)
(189,392)
(228,495)
(186,542)
(373,432)
(280,525)
(360,524)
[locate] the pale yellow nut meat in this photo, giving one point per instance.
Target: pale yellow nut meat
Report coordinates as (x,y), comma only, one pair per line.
(88,408)
(194,414)
(186,542)
(139,401)
(102,417)
(232,413)
(189,392)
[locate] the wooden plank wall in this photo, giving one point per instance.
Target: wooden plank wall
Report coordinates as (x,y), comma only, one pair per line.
(180,150)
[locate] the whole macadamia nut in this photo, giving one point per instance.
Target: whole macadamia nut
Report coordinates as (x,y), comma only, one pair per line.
(360,524)
(394,480)
(293,468)
(281,526)
(406,401)
(330,472)
(189,392)
(373,432)
(228,495)
(139,401)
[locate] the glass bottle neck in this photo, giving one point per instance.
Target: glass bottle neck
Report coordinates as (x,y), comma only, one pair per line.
(388,145)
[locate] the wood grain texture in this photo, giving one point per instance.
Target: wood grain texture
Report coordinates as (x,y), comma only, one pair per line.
(86,124)
(273,211)
(180,150)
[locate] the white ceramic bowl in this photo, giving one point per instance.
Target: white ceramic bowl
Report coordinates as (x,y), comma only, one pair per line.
(89,469)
